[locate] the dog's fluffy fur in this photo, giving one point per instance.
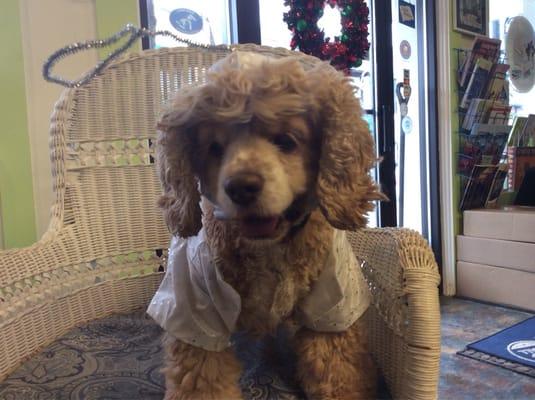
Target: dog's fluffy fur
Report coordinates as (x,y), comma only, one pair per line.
(301,131)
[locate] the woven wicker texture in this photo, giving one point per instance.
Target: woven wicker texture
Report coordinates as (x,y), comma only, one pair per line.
(104,252)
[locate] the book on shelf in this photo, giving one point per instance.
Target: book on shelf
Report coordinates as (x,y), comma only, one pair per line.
(478,187)
(493,129)
(518,127)
(499,113)
(485,111)
(527,136)
(478,82)
(482,47)
(497,186)
(477,112)
(519,159)
(498,86)
(484,145)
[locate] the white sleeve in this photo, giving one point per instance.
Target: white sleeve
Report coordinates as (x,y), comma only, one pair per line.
(340,295)
(194,303)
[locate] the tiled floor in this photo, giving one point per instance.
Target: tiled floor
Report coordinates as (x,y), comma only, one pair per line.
(464,322)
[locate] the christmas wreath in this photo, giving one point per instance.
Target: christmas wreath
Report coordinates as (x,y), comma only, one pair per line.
(345,51)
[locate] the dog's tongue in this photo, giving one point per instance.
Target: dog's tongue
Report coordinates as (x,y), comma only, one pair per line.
(259,227)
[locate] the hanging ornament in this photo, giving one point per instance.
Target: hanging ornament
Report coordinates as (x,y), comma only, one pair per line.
(345,51)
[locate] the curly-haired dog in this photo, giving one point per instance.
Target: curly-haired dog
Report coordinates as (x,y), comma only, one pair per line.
(263,168)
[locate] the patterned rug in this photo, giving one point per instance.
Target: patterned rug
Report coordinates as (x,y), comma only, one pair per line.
(118,358)
(112,358)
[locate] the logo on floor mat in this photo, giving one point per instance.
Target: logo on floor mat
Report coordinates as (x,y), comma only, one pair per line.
(523,349)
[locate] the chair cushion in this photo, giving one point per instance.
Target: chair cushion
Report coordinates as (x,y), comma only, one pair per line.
(119,357)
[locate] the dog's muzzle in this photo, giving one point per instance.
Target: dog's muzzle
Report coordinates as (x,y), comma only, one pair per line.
(244,188)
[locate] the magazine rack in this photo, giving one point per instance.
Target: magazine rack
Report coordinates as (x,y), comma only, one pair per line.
(103,251)
(483,122)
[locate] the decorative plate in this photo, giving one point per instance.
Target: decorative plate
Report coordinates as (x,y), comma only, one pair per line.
(520,52)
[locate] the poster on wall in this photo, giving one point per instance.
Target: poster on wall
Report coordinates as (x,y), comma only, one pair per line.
(186,21)
(407,12)
(471,16)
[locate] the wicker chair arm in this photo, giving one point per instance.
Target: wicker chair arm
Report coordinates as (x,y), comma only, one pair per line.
(403,277)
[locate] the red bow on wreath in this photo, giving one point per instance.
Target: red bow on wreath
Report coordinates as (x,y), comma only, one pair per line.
(345,51)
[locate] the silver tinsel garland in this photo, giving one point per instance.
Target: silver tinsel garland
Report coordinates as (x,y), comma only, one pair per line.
(134,32)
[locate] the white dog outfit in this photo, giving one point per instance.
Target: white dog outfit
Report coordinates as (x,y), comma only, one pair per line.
(194,303)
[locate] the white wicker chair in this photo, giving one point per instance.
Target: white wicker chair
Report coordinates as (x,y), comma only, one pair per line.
(102,253)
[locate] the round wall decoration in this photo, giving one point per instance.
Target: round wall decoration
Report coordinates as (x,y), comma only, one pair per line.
(186,21)
(406,124)
(520,53)
(405,49)
(344,51)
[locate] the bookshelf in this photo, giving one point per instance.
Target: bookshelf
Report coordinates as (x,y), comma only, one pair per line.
(484,116)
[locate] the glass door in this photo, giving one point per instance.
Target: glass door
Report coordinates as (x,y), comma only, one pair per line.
(274,32)
(404,106)
(393,93)
(394,85)
(411,113)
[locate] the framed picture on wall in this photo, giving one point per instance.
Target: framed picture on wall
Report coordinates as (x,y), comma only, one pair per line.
(471,16)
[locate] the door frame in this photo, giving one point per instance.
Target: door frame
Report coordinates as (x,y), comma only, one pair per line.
(434,179)
(381,12)
(445,147)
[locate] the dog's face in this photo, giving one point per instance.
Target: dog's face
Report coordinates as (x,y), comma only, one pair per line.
(260,174)
(266,141)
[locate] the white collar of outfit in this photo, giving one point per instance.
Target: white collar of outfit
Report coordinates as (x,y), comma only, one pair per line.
(196,305)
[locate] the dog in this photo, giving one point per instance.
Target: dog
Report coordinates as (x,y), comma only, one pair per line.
(263,168)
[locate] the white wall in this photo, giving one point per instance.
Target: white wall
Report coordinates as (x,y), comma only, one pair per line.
(47,26)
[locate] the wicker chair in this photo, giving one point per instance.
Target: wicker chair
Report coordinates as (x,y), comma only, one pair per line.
(104,252)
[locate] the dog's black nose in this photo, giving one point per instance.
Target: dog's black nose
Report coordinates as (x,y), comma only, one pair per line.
(243,188)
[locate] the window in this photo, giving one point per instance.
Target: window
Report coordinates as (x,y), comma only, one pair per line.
(206,22)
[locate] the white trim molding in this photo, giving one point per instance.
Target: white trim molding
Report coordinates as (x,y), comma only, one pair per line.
(447,211)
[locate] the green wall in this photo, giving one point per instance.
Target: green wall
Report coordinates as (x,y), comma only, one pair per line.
(16,188)
(112,15)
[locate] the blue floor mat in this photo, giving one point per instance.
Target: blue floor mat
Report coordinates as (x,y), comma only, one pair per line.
(512,348)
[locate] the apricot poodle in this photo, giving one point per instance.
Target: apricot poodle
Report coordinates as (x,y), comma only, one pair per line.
(263,167)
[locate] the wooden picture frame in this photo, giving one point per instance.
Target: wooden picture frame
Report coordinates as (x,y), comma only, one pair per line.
(471,17)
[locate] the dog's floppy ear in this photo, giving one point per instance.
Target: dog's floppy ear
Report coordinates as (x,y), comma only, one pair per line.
(181,197)
(344,187)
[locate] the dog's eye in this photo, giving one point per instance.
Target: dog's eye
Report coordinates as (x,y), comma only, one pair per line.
(215,149)
(285,142)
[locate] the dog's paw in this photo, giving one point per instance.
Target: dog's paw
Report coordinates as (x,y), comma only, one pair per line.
(335,365)
(230,394)
(192,373)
